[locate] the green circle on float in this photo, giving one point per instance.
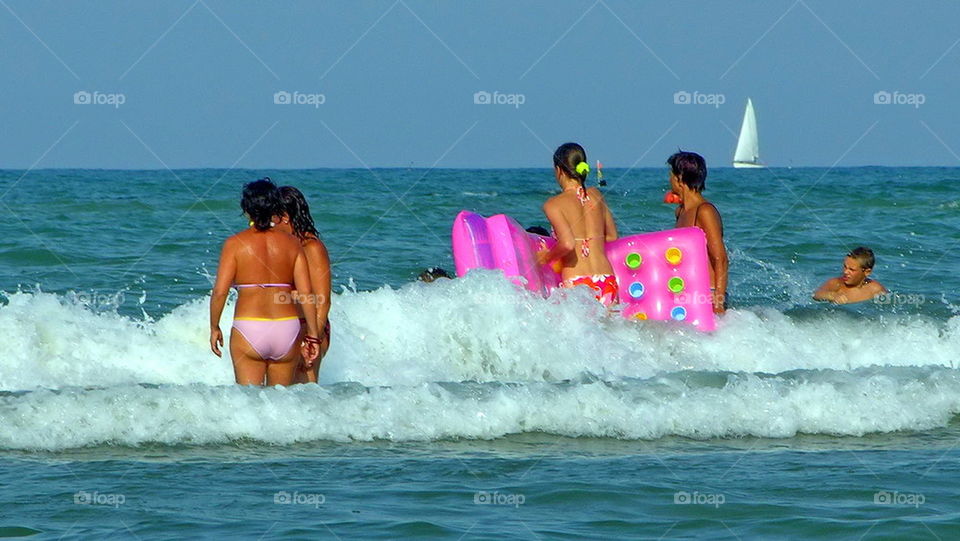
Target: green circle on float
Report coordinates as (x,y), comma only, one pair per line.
(675,284)
(633,260)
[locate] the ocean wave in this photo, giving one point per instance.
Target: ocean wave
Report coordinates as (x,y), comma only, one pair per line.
(473,358)
(475,329)
(694,405)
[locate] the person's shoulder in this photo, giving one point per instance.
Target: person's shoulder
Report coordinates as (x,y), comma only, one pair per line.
(833,283)
(553,202)
(876,287)
(707,214)
(235,239)
(314,246)
(709,209)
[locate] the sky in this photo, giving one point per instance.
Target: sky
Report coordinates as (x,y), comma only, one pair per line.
(399,83)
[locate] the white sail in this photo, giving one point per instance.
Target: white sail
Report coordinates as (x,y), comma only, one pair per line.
(748,146)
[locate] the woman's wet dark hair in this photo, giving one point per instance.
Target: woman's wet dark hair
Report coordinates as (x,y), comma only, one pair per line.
(690,168)
(296,207)
(567,157)
(261,202)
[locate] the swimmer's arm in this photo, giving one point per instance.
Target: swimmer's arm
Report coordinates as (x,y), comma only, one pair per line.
(563,231)
(717,252)
(301,282)
(226,275)
(320,279)
(828,291)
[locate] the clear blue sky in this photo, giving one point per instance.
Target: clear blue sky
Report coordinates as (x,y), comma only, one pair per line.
(398,80)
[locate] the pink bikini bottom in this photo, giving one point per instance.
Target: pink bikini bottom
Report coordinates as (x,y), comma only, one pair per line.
(272,339)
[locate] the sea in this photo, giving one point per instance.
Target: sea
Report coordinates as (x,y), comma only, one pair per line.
(469,408)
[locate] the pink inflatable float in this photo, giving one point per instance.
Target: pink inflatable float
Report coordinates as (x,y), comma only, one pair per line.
(662,276)
(498,242)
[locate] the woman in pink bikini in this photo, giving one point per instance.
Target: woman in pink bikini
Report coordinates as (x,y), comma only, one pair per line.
(582,224)
(296,220)
(264,265)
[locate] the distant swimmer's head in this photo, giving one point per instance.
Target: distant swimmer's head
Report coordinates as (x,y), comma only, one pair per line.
(433,273)
(570,160)
(688,168)
(538,230)
(261,202)
(857,266)
(298,212)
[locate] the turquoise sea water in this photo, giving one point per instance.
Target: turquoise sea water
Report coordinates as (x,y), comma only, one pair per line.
(466,408)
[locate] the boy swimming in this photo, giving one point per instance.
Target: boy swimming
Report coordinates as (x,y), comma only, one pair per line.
(855,284)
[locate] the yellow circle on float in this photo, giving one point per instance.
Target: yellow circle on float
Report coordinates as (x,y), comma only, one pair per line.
(673,255)
(640,315)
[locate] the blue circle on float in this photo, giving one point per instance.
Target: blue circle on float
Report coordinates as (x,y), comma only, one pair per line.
(636,290)
(678,313)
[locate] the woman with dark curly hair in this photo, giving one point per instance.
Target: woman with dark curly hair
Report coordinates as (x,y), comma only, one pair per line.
(265,265)
(296,220)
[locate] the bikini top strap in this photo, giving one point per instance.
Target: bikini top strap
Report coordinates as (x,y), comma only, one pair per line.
(582,195)
(696,214)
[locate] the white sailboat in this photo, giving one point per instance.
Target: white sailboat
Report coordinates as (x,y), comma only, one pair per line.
(748,146)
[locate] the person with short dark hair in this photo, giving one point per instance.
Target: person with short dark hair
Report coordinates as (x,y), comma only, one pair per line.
(538,230)
(264,265)
(688,179)
(431,274)
(854,284)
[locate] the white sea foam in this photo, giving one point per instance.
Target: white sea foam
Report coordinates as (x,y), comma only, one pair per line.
(728,405)
(473,358)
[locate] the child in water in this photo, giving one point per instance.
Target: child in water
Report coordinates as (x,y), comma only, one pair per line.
(582,224)
(688,178)
(854,285)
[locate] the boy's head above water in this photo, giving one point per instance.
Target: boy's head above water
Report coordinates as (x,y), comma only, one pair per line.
(857,266)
